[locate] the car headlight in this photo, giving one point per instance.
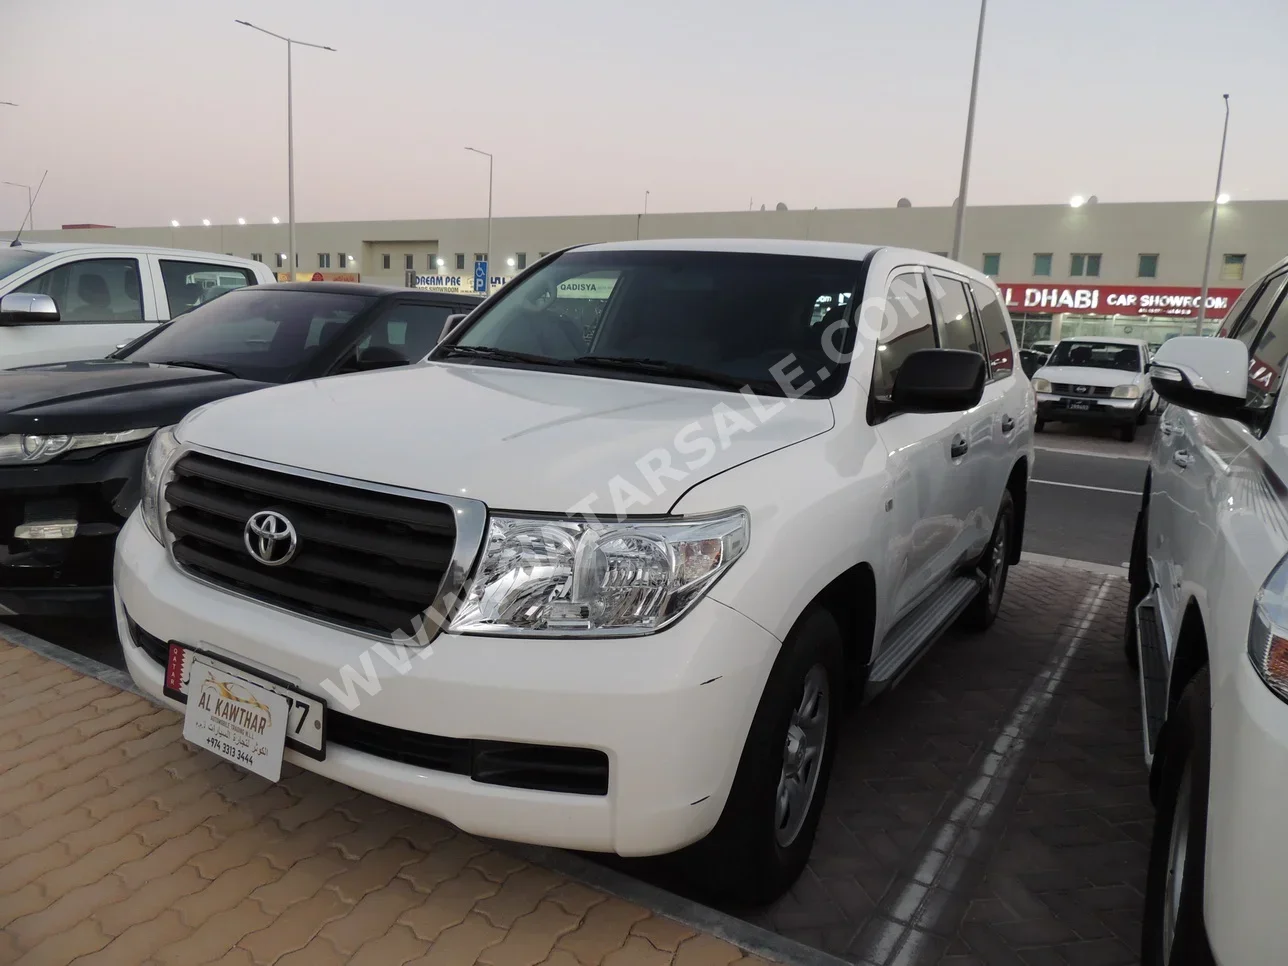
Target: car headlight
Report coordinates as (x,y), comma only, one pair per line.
(1041,385)
(1127,392)
(571,578)
(157,465)
(32,448)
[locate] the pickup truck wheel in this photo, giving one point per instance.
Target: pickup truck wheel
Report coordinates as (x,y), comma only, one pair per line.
(1128,432)
(1143,416)
(1173,932)
(1039,425)
(995,564)
(763,839)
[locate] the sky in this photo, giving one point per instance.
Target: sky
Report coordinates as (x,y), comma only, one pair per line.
(146,110)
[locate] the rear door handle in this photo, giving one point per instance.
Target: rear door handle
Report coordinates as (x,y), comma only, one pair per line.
(959,447)
(1008,424)
(1165,428)
(1182,458)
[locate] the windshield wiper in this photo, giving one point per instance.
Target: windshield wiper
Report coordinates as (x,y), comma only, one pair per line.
(678,370)
(189,364)
(499,355)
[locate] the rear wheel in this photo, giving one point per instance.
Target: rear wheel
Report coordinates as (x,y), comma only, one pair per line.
(1173,932)
(763,839)
(996,564)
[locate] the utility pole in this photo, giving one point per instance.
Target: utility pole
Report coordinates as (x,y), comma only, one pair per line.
(1216,202)
(959,230)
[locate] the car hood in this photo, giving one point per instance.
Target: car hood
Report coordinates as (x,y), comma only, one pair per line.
(1086,376)
(105,395)
(516,439)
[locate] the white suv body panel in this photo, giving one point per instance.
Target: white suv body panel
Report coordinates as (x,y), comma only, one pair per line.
(825,491)
(39,343)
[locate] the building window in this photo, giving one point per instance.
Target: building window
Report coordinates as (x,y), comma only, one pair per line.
(542,254)
(1232,267)
(1147,266)
(409,262)
(324,259)
(344,259)
(992,263)
(256,256)
(385,260)
(480,256)
(1042,263)
(1083,264)
(521,260)
(281,259)
(460,261)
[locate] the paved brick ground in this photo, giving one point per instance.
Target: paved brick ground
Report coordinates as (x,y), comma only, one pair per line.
(122,845)
(1050,870)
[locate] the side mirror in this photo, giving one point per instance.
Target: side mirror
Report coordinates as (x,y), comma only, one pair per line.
(452,322)
(939,381)
(1206,374)
(19,307)
(376,357)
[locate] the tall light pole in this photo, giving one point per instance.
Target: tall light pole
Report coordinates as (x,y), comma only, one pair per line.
(1216,202)
(960,230)
(7,104)
(290,128)
(487,281)
(31,218)
(646,202)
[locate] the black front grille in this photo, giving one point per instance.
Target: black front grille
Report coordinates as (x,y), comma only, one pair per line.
(367,560)
(546,768)
(1071,389)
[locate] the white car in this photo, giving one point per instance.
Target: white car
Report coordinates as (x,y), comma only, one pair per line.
(1208,630)
(600,576)
(62,301)
(1096,379)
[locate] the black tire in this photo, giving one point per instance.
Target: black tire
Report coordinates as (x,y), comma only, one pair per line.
(1039,425)
(1143,417)
(1137,586)
(743,860)
(996,564)
(1128,432)
(1183,793)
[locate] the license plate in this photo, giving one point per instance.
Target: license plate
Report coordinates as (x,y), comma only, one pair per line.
(1079,404)
(303,720)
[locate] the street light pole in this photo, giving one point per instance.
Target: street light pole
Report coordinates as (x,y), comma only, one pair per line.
(31,217)
(959,230)
(487,281)
(1216,201)
(290,130)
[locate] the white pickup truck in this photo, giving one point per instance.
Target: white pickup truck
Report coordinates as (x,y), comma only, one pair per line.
(62,301)
(602,572)
(1208,631)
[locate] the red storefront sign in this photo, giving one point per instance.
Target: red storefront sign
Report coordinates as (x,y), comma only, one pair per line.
(1159,300)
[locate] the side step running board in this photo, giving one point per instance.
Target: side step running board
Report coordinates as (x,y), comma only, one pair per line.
(1153,673)
(909,639)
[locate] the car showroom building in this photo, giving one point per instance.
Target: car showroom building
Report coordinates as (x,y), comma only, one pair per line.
(1129,269)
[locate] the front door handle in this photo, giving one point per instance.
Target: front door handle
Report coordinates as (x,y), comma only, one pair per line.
(1008,424)
(1182,458)
(959,447)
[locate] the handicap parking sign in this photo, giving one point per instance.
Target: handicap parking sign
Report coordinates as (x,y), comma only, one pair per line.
(480,276)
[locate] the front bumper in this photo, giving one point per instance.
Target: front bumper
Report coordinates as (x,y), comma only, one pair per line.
(1247,854)
(63,576)
(670,711)
(1054,409)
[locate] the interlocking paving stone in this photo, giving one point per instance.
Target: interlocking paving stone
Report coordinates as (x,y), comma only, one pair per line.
(120,843)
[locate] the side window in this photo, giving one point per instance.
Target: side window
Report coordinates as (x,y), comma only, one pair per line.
(407,331)
(189,284)
(908,328)
(93,290)
(1258,302)
(956,324)
(992,318)
(1268,355)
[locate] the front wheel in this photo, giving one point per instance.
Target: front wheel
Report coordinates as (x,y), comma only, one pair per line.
(1039,425)
(1128,432)
(996,564)
(1137,586)
(1173,932)
(764,836)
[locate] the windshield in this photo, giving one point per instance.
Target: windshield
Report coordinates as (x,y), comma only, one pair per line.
(741,318)
(257,332)
(12,259)
(1096,355)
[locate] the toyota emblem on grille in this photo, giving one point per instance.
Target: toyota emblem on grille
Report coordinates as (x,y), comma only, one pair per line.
(270,538)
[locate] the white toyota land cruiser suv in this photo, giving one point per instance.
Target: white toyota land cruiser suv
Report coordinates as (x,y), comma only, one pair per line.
(601,572)
(1208,630)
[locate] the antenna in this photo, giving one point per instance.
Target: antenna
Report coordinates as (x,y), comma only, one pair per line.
(15,243)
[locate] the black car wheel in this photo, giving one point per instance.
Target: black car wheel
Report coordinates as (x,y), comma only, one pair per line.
(995,565)
(1173,932)
(1137,585)
(1128,431)
(763,839)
